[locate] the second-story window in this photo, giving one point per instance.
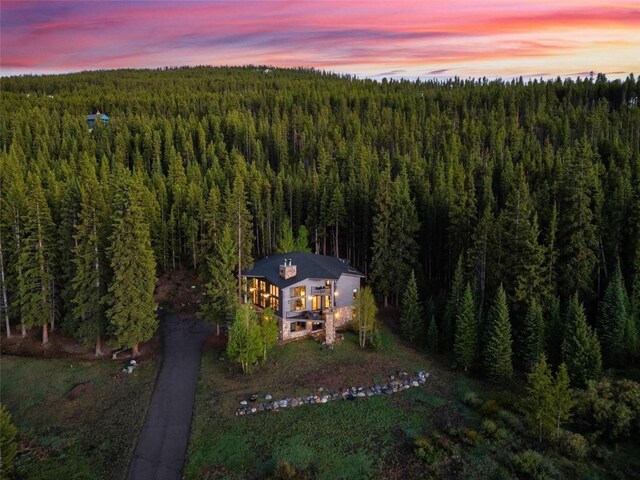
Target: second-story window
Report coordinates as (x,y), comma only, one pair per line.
(297,292)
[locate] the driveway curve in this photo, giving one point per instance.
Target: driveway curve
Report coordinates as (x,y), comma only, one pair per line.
(162,442)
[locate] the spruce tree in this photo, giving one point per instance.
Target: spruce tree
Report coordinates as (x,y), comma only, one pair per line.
(240,225)
(448,329)
(131,310)
(522,255)
(580,347)
(36,261)
(532,339)
(613,320)
(411,312)
(302,240)
(89,281)
(222,298)
(466,338)
(498,363)
(245,341)
(576,228)
(432,335)
(286,242)
(382,252)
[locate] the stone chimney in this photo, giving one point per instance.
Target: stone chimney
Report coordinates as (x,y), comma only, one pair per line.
(287,270)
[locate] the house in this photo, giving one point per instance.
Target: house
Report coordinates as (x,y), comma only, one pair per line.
(91,119)
(310,294)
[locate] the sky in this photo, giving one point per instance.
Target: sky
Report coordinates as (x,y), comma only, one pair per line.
(375,39)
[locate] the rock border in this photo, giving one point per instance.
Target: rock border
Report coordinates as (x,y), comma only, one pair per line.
(395,385)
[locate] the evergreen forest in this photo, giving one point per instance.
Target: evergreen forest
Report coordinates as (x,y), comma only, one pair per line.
(503,216)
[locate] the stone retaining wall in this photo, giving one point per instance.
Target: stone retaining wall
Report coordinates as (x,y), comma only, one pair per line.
(403,381)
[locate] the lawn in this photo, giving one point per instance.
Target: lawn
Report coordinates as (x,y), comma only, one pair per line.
(77,419)
(356,439)
(454,426)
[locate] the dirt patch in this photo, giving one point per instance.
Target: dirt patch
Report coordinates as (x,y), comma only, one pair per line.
(351,375)
(215,343)
(180,291)
(62,345)
(79,390)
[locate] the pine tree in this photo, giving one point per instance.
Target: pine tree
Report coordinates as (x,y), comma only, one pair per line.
(130,299)
(364,312)
(497,351)
(432,335)
(453,304)
(466,338)
(268,331)
(554,328)
(532,339)
(241,227)
(411,312)
(88,284)
(539,399)
(302,241)
(613,320)
(404,228)
(576,232)
(563,400)
(382,253)
(286,242)
(245,343)
(35,261)
(222,298)
(580,348)
(523,256)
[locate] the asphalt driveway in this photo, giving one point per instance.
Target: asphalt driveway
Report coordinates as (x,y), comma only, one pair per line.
(163,440)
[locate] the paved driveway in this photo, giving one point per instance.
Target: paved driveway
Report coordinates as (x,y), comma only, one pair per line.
(163,440)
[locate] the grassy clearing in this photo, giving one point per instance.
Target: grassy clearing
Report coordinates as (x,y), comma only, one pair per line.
(76,419)
(454,426)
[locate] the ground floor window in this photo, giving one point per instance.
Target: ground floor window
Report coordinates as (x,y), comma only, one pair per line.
(297,326)
(315,326)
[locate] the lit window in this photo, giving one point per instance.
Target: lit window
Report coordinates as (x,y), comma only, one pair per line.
(297,304)
(355,293)
(297,291)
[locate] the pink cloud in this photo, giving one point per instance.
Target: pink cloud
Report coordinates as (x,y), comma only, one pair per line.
(352,36)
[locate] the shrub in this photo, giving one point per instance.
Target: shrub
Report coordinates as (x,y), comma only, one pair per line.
(530,464)
(8,444)
(489,427)
(428,449)
(574,445)
(511,420)
(490,408)
(611,408)
(285,471)
(472,437)
(471,399)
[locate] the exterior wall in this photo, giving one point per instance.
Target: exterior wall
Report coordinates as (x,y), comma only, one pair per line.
(345,286)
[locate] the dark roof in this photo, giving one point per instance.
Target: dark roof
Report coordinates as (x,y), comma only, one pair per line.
(307,265)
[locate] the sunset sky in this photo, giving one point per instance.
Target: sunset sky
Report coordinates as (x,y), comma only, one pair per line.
(394,38)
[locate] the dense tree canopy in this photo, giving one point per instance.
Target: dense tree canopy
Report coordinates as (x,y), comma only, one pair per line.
(535,185)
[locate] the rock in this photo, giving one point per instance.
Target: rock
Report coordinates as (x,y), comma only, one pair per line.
(392,377)
(243,402)
(283,404)
(254,410)
(321,389)
(415,384)
(294,403)
(133,362)
(268,398)
(193,286)
(129,369)
(324,399)
(361,394)
(253,398)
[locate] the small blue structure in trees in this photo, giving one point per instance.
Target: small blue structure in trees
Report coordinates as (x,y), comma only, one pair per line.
(91,119)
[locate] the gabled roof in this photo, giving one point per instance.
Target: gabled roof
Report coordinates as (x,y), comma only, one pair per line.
(307,265)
